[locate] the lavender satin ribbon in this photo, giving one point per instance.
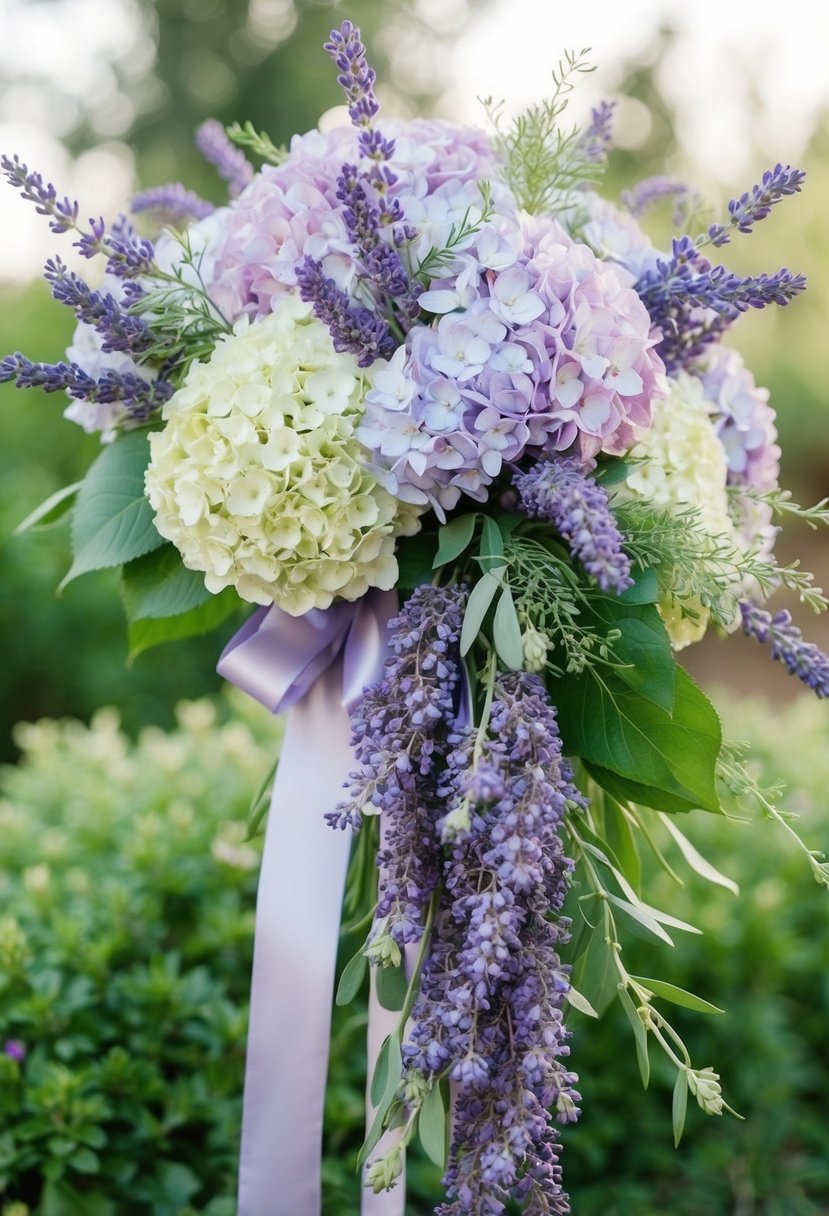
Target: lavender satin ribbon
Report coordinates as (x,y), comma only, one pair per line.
(318,665)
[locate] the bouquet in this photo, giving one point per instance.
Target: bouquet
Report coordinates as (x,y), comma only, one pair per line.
(477,451)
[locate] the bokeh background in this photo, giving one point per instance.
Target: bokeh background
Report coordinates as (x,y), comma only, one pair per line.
(103,98)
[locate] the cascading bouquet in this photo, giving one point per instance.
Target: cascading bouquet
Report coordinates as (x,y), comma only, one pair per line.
(474,445)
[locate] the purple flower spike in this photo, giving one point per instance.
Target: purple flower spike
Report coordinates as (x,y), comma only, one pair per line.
(174,202)
(598,137)
(747,210)
(15,1050)
(228,160)
(352,327)
(802,659)
(356,78)
(138,396)
(62,213)
(561,493)
(120,330)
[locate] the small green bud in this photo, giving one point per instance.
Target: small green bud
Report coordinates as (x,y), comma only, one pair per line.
(415,1088)
(704,1084)
(535,646)
(383,950)
(382,1173)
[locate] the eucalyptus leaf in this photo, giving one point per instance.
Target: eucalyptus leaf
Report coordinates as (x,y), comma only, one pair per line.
(112,522)
(51,510)
(144,634)
(392,1066)
(506,633)
(351,980)
(477,606)
(679,1105)
(622,841)
(595,975)
(380,1076)
(431,1126)
(639,1033)
(391,987)
(696,861)
(492,545)
(454,539)
(677,996)
(158,585)
(641,923)
(580,1002)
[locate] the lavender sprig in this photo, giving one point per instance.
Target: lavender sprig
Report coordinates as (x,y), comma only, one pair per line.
(62,213)
(597,139)
(229,161)
(800,658)
(652,190)
(174,201)
(399,734)
(747,210)
(128,255)
(678,288)
(119,330)
(140,397)
(493,990)
(381,265)
(353,328)
(356,77)
(558,491)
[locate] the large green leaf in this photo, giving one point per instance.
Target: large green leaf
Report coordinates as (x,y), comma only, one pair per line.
(611,725)
(158,585)
(644,648)
(112,522)
(144,634)
(431,1126)
(51,511)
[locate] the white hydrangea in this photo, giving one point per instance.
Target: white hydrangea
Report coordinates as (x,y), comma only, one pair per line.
(258,478)
(684,464)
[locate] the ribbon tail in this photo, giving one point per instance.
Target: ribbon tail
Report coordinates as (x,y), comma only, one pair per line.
(297,927)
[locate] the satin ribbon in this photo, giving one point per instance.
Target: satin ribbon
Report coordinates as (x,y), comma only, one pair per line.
(317,665)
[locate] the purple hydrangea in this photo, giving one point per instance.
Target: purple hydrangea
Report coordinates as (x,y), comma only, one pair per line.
(493,990)
(537,347)
(744,419)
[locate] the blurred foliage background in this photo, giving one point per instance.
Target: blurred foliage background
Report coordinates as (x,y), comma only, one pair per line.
(176,63)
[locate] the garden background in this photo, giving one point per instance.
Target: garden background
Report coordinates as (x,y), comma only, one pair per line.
(126,886)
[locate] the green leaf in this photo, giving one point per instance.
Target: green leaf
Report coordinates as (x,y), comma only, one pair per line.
(392,1066)
(454,538)
(609,724)
(144,634)
(679,1105)
(645,589)
(643,795)
(580,1002)
(506,633)
(477,606)
(178,1181)
(639,1033)
(611,472)
(623,844)
(414,560)
(643,647)
(112,522)
(84,1161)
(696,861)
(431,1126)
(492,545)
(260,803)
(391,987)
(51,510)
(158,585)
(380,1076)
(595,975)
(640,922)
(351,980)
(677,996)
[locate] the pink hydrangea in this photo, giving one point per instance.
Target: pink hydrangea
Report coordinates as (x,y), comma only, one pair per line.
(745,420)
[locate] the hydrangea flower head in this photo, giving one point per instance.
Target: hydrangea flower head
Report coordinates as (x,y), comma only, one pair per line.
(258,478)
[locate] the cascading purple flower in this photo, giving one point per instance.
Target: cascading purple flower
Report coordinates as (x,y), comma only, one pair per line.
(400,735)
(493,990)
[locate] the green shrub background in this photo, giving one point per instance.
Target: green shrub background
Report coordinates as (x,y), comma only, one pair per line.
(128,889)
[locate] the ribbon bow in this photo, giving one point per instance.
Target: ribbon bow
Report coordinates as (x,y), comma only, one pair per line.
(317,665)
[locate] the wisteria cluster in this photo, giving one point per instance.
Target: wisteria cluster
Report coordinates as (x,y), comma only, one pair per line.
(493,991)
(400,734)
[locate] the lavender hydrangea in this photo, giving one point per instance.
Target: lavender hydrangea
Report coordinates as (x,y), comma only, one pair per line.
(491,1006)
(745,421)
(560,492)
(536,346)
(800,658)
(399,733)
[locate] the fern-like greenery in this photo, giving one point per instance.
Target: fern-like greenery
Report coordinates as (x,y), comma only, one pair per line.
(258,143)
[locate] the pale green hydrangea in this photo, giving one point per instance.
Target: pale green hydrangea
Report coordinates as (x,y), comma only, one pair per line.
(684,464)
(258,478)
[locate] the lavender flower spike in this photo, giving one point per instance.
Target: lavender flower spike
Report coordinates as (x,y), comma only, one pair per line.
(63,213)
(175,202)
(356,78)
(747,210)
(559,492)
(138,396)
(228,160)
(598,137)
(120,330)
(802,659)
(352,327)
